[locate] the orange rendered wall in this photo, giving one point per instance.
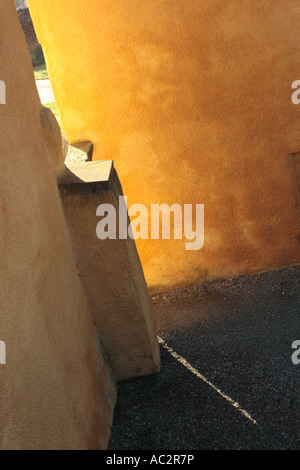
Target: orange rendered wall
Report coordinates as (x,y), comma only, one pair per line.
(192,101)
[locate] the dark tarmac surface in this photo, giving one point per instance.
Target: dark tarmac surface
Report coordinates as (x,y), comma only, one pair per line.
(237,334)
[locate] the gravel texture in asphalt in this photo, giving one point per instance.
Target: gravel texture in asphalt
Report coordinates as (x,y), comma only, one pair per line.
(227,379)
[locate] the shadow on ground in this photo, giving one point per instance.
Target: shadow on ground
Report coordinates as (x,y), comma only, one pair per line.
(238,335)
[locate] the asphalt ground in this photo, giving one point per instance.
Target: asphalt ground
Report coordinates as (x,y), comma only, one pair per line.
(227,379)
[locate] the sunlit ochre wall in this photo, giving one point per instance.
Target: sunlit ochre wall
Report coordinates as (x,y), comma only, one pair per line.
(192,101)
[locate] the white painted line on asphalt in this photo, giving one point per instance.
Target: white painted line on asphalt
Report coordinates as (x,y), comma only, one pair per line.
(194,371)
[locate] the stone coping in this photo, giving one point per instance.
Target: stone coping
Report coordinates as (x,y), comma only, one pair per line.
(87,177)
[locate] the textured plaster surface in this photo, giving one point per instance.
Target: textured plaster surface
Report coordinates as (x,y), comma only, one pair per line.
(192,101)
(111,272)
(55,392)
